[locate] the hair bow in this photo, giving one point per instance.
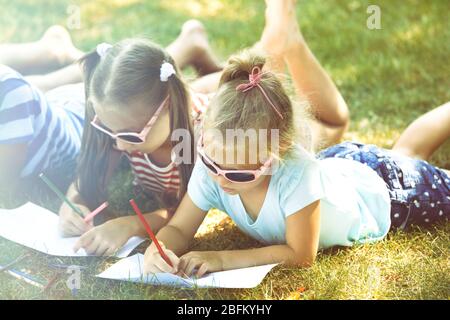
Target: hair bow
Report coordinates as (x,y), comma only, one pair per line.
(254,79)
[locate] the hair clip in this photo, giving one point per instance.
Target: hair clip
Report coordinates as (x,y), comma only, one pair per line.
(102,49)
(166,71)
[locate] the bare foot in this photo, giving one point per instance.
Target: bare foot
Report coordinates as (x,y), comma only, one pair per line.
(281,30)
(193,34)
(59,42)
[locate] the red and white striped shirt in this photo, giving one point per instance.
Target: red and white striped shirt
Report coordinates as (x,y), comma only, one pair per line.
(163,179)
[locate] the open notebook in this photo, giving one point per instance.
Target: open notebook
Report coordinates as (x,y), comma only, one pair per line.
(37,228)
(130,269)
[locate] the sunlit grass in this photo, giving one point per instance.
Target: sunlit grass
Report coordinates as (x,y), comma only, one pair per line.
(388,77)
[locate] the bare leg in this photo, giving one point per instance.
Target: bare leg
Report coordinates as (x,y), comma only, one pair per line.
(67,75)
(54,50)
(274,62)
(206,84)
(275,55)
(192,48)
(210,83)
(425,134)
(282,36)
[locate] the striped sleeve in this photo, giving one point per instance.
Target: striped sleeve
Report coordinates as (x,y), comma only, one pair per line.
(18,106)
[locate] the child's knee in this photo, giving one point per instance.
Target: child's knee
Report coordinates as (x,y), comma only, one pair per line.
(344,119)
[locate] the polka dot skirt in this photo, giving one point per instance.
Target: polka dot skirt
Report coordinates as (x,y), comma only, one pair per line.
(420,192)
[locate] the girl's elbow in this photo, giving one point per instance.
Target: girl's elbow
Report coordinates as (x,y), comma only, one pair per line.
(303,261)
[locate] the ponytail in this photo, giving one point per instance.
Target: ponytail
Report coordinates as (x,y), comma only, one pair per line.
(180,119)
(89,63)
(96,148)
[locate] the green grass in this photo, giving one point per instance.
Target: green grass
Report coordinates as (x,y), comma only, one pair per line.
(388,78)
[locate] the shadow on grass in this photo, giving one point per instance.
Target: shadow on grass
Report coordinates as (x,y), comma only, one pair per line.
(388,77)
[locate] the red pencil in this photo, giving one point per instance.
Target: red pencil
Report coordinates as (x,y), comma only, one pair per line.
(91,215)
(150,232)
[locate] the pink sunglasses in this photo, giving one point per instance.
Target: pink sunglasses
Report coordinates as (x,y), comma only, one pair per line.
(234,176)
(131,137)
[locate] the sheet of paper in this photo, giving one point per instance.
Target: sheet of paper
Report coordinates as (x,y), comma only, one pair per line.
(130,269)
(37,228)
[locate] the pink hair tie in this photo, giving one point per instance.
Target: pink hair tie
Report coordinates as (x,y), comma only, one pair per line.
(254,78)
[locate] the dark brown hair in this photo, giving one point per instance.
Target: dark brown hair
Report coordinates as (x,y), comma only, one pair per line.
(128,72)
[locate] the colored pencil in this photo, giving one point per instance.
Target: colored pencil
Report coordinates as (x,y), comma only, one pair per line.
(91,215)
(24,276)
(150,232)
(61,195)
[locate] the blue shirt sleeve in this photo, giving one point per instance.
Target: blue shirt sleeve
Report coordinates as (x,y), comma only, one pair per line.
(302,186)
(202,189)
(18,107)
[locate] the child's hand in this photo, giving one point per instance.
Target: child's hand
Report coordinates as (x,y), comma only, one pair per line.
(70,223)
(154,262)
(105,239)
(203,261)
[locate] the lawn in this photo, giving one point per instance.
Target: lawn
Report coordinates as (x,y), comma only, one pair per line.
(388,78)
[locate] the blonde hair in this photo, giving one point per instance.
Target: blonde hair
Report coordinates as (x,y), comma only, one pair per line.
(233,109)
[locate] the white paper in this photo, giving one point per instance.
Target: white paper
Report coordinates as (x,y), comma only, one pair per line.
(37,228)
(130,269)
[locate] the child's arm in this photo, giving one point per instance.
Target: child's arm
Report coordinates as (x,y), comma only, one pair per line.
(70,223)
(175,237)
(302,237)
(107,238)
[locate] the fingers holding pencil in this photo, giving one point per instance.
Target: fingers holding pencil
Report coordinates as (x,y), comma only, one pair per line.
(155,263)
(156,259)
(90,217)
(70,223)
